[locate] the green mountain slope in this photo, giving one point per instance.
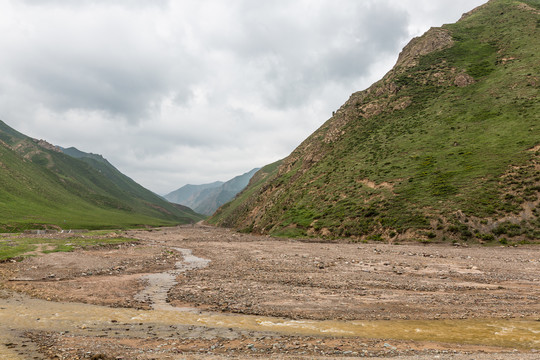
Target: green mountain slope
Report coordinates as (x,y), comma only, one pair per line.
(41,186)
(445,146)
(123,182)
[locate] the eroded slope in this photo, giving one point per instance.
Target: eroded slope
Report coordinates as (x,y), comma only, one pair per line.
(425,153)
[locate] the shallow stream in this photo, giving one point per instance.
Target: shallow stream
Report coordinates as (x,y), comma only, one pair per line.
(158,285)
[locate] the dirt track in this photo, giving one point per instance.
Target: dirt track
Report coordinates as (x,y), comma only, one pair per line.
(284,278)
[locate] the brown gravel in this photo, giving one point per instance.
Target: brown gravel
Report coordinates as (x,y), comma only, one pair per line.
(101,276)
(273,277)
(294,279)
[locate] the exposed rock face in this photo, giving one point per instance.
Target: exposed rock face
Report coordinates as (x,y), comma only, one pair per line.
(383,95)
(463,80)
(46,145)
(433,40)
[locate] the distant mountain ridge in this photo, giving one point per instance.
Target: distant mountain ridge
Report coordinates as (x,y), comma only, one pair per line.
(187,194)
(207,198)
(43,185)
(445,147)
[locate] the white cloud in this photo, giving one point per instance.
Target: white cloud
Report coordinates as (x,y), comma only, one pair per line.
(175,92)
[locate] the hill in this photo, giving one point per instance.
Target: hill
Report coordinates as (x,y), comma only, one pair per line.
(44,187)
(206,199)
(444,147)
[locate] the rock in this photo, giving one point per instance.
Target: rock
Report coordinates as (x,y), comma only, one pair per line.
(434,39)
(463,80)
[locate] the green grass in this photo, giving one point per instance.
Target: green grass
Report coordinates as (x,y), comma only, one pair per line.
(16,247)
(9,249)
(446,152)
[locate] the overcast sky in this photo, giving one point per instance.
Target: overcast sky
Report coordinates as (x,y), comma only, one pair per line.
(194,91)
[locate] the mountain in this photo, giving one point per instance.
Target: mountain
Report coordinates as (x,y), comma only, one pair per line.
(205,199)
(114,175)
(41,186)
(188,194)
(445,147)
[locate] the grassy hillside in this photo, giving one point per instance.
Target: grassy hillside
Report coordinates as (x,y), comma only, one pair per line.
(40,186)
(123,182)
(444,147)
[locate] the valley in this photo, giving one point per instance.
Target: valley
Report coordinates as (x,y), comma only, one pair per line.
(407,226)
(224,294)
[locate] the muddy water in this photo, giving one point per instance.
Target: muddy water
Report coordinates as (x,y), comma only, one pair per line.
(21,313)
(18,314)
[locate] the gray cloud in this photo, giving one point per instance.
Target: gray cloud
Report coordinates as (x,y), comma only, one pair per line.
(99,59)
(297,57)
(106,3)
(176,92)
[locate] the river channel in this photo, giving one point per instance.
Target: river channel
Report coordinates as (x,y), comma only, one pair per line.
(20,313)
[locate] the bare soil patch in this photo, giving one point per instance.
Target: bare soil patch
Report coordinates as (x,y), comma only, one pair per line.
(295,279)
(102,276)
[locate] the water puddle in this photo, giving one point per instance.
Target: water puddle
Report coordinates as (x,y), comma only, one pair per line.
(158,285)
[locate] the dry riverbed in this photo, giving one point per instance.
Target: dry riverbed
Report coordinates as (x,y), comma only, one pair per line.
(202,292)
